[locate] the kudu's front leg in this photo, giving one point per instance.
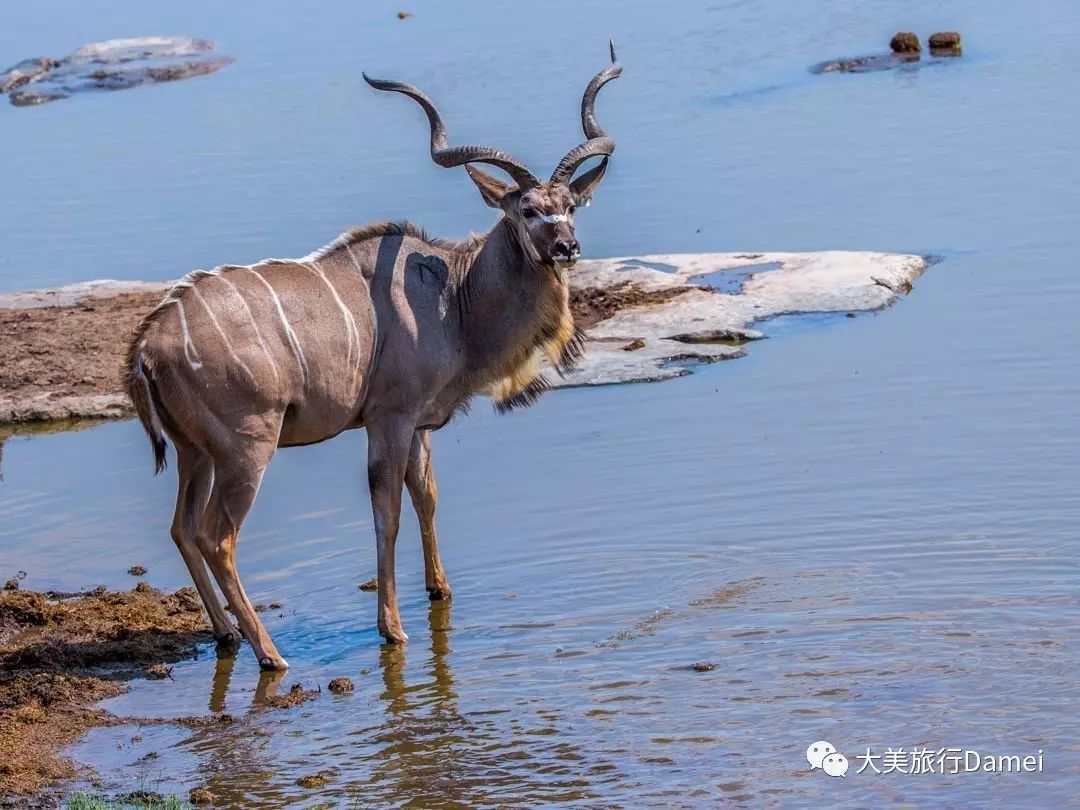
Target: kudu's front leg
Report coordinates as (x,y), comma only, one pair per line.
(388,458)
(420,479)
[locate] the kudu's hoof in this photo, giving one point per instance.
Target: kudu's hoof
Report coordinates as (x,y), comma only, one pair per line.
(394,636)
(277,664)
(229,643)
(439,594)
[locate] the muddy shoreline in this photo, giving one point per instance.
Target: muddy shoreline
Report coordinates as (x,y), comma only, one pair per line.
(648,318)
(61,353)
(64,362)
(60,655)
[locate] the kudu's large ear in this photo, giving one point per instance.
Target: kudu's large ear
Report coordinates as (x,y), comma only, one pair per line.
(585,186)
(492,189)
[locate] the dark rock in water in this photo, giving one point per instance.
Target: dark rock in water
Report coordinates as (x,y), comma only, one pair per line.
(867,64)
(316,780)
(736,336)
(30,98)
(945,39)
(905,42)
(117,64)
(341,686)
(123,78)
(945,44)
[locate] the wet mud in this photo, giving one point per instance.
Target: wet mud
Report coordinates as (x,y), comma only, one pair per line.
(590,305)
(59,656)
(296,696)
(64,362)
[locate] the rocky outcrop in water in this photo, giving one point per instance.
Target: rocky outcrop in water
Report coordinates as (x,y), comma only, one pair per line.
(24,72)
(906,54)
(118,64)
(691,312)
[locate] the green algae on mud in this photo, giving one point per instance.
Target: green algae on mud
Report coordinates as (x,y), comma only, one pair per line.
(141,800)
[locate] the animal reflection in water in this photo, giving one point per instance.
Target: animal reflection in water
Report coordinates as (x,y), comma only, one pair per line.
(384,329)
(422,745)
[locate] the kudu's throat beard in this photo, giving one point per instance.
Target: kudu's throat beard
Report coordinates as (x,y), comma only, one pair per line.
(559,270)
(562,270)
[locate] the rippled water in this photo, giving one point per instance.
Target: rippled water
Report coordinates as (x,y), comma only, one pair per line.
(868,525)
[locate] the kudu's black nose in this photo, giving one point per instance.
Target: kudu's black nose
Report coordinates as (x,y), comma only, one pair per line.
(567,249)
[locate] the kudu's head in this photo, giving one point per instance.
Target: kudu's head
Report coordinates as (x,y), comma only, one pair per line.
(541,214)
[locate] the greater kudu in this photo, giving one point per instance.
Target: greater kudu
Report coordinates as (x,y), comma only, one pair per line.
(384,329)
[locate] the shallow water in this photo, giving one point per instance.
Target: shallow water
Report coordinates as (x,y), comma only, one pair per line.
(869,524)
(729,281)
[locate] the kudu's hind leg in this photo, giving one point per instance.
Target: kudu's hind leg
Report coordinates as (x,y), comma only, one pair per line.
(236,482)
(420,479)
(195,470)
(388,458)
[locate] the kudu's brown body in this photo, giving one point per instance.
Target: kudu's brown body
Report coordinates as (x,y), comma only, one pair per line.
(384,329)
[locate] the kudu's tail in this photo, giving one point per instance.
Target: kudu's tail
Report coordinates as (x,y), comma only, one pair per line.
(140,388)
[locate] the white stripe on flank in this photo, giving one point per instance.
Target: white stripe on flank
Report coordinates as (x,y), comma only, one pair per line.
(294,343)
(350,322)
(221,332)
(189,348)
(254,325)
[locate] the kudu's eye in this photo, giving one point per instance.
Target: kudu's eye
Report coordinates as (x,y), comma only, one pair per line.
(571,209)
(528,212)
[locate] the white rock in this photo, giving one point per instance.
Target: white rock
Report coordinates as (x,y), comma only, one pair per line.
(832,281)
